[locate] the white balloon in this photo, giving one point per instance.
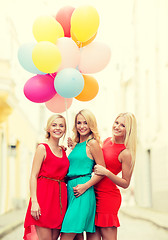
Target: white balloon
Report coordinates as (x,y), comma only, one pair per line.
(94,57)
(70,53)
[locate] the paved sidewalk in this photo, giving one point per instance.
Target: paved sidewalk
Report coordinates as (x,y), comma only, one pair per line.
(13,219)
(160,219)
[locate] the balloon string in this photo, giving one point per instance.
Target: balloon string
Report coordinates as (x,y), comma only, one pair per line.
(79,44)
(66,108)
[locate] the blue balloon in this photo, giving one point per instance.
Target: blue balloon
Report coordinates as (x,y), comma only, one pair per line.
(25,58)
(69,83)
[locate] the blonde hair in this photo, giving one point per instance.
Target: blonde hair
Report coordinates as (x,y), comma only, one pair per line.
(131,133)
(49,122)
(92,124)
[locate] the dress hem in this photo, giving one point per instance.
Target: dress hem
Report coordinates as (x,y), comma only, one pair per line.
(78,231)
(106,220)
(30,232)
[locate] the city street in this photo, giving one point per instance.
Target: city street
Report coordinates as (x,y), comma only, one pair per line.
(130,229)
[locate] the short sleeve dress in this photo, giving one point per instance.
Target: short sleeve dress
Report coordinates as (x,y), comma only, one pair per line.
(80,214)
(108,197)
(51,193)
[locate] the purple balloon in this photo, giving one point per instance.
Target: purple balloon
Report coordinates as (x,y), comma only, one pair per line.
(40,88)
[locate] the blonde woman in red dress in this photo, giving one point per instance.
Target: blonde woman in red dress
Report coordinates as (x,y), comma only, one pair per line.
(119,155)
(48,191)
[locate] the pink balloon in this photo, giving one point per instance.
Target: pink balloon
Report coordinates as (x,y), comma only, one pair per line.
(64,18)
(70,53)
(94,57)
(40,88)
(58,104)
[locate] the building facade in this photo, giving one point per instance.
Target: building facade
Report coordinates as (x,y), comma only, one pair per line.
(18,136)
(145,93)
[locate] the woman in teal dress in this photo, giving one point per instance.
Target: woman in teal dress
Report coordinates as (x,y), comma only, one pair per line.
(80,215)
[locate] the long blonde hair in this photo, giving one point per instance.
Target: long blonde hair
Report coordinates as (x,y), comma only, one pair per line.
(49,122)
(92,124)
(131,133)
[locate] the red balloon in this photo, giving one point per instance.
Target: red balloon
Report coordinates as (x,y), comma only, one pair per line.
(40,88)
(64,18)
(58,104)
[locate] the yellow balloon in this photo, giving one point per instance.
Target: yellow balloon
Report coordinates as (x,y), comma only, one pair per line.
(82,44)
(90,90)
(46,57)
(46,28)
(84,22)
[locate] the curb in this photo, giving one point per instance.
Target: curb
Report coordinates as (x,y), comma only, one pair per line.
(148,218)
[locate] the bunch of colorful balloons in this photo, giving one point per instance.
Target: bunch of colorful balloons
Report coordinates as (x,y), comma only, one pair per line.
(62,58)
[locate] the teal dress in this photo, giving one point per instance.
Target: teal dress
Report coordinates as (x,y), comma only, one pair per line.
(80,214)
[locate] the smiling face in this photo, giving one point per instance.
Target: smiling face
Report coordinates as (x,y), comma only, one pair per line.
(57,128)
(82,126)
(118,129)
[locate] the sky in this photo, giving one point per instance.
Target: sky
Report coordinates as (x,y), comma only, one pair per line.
(113,14)
(115,30)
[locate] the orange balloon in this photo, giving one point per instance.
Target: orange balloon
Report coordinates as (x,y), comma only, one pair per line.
(82,44)
(90,90)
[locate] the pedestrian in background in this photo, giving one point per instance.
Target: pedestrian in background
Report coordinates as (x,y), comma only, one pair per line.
(80,215)
(48,192)
(119,155)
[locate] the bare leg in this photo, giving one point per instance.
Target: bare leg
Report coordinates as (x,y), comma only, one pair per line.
(79,236)
(109,233)
(55,234)
(44,233)
(94,236)
(68,236)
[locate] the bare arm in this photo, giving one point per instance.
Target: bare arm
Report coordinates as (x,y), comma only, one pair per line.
(97,155)
(37,161)
(124,181)
(70,143)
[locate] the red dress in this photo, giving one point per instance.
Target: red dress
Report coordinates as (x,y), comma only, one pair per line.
(51,194)
(108,197)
